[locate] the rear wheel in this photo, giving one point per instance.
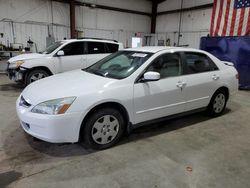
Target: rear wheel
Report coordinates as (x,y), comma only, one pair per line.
(103,128)
(35,75)
(217,104)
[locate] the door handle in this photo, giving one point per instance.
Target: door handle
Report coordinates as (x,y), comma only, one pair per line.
(215,77)
(181,84)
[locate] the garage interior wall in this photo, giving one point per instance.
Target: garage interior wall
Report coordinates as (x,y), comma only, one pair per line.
(24,19)
(194,24)
(112,24)
(21,20)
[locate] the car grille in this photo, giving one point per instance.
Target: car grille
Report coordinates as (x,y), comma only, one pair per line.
(24,103)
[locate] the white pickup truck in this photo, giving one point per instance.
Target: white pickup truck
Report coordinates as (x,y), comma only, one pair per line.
(60,57)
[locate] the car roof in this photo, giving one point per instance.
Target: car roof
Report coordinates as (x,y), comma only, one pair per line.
(92,40)
(155,49)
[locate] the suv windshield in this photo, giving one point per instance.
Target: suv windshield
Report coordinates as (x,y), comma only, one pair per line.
(52,47)
(120,64)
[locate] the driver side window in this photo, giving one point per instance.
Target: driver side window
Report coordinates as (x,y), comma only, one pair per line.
(74,48)
(168,65)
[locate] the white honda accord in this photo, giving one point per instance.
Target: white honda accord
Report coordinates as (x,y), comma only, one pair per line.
(127,89)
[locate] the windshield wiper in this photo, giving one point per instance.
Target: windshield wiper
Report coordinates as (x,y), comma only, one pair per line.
(97,72)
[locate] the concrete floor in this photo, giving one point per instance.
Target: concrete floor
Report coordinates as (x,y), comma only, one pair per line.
(193,151)
(3,66)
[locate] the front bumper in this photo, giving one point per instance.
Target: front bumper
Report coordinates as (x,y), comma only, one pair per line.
(15,74)
(63,128)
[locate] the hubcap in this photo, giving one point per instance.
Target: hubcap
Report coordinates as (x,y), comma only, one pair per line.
(105,129)
(219,103)
(37,76)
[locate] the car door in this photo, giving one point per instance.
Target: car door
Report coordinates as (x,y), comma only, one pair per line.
(96,52)
(73,58)
(202,79)
(156,99)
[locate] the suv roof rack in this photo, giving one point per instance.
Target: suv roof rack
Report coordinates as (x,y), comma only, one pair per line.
(97,39)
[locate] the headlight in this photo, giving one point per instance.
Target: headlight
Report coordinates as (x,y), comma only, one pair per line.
(15,64)
(18,63)
(53,107)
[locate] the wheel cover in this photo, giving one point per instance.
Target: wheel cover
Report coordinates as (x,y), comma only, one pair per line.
(105,129)
(37,76)
(219,103)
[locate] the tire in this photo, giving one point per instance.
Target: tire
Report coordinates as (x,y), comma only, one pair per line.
(217,104)
(100,135)
(35,75)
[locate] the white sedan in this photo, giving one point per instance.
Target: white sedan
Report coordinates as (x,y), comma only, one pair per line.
(127,89)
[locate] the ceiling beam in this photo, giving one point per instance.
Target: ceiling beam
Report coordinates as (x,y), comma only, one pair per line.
(200,7)
(159,1)
(91,5)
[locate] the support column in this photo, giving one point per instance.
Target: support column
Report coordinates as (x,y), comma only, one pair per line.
(180,22)
(153,16)
(72,19)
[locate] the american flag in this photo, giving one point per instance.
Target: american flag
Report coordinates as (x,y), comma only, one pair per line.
(230,18)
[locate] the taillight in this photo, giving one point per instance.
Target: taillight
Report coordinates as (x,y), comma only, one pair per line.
(237,76)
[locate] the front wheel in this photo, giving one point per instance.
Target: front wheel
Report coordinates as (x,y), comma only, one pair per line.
(35,75)
(217,104)
(103,128)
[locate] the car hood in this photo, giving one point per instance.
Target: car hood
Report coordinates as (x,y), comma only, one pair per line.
(26,57)
(69,84)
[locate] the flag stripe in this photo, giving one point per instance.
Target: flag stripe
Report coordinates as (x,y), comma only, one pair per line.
(230,18)
(226,18)
(244,26)
(233,23)
(213,17)
(222,17)
(248,25)
(237,22)
(219,18)
(242,14)
(216,16)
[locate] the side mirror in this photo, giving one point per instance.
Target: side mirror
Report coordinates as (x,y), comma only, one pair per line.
(60,53)
(151,76)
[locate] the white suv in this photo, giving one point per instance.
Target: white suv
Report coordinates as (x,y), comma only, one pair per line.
(60,57)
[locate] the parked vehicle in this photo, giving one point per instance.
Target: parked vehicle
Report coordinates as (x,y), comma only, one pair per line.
(62,56)
(127,89)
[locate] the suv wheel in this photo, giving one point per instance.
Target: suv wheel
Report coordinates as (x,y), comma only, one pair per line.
(217,103)
(35,75)
(103,128)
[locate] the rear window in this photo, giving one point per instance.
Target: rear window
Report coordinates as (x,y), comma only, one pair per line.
(198,63)
(96,48)
(111,48)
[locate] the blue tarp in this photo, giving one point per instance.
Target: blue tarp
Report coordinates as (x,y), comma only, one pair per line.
(233,49)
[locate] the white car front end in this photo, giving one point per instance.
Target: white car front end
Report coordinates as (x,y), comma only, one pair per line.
(48,121)
(51,128)
(15,70)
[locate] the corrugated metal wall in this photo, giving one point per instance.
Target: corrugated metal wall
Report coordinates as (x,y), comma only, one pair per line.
(111,24)
(195,24)
(24,19)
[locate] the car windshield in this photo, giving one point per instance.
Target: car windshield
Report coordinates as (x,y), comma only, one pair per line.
(52,47)
(120,64)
